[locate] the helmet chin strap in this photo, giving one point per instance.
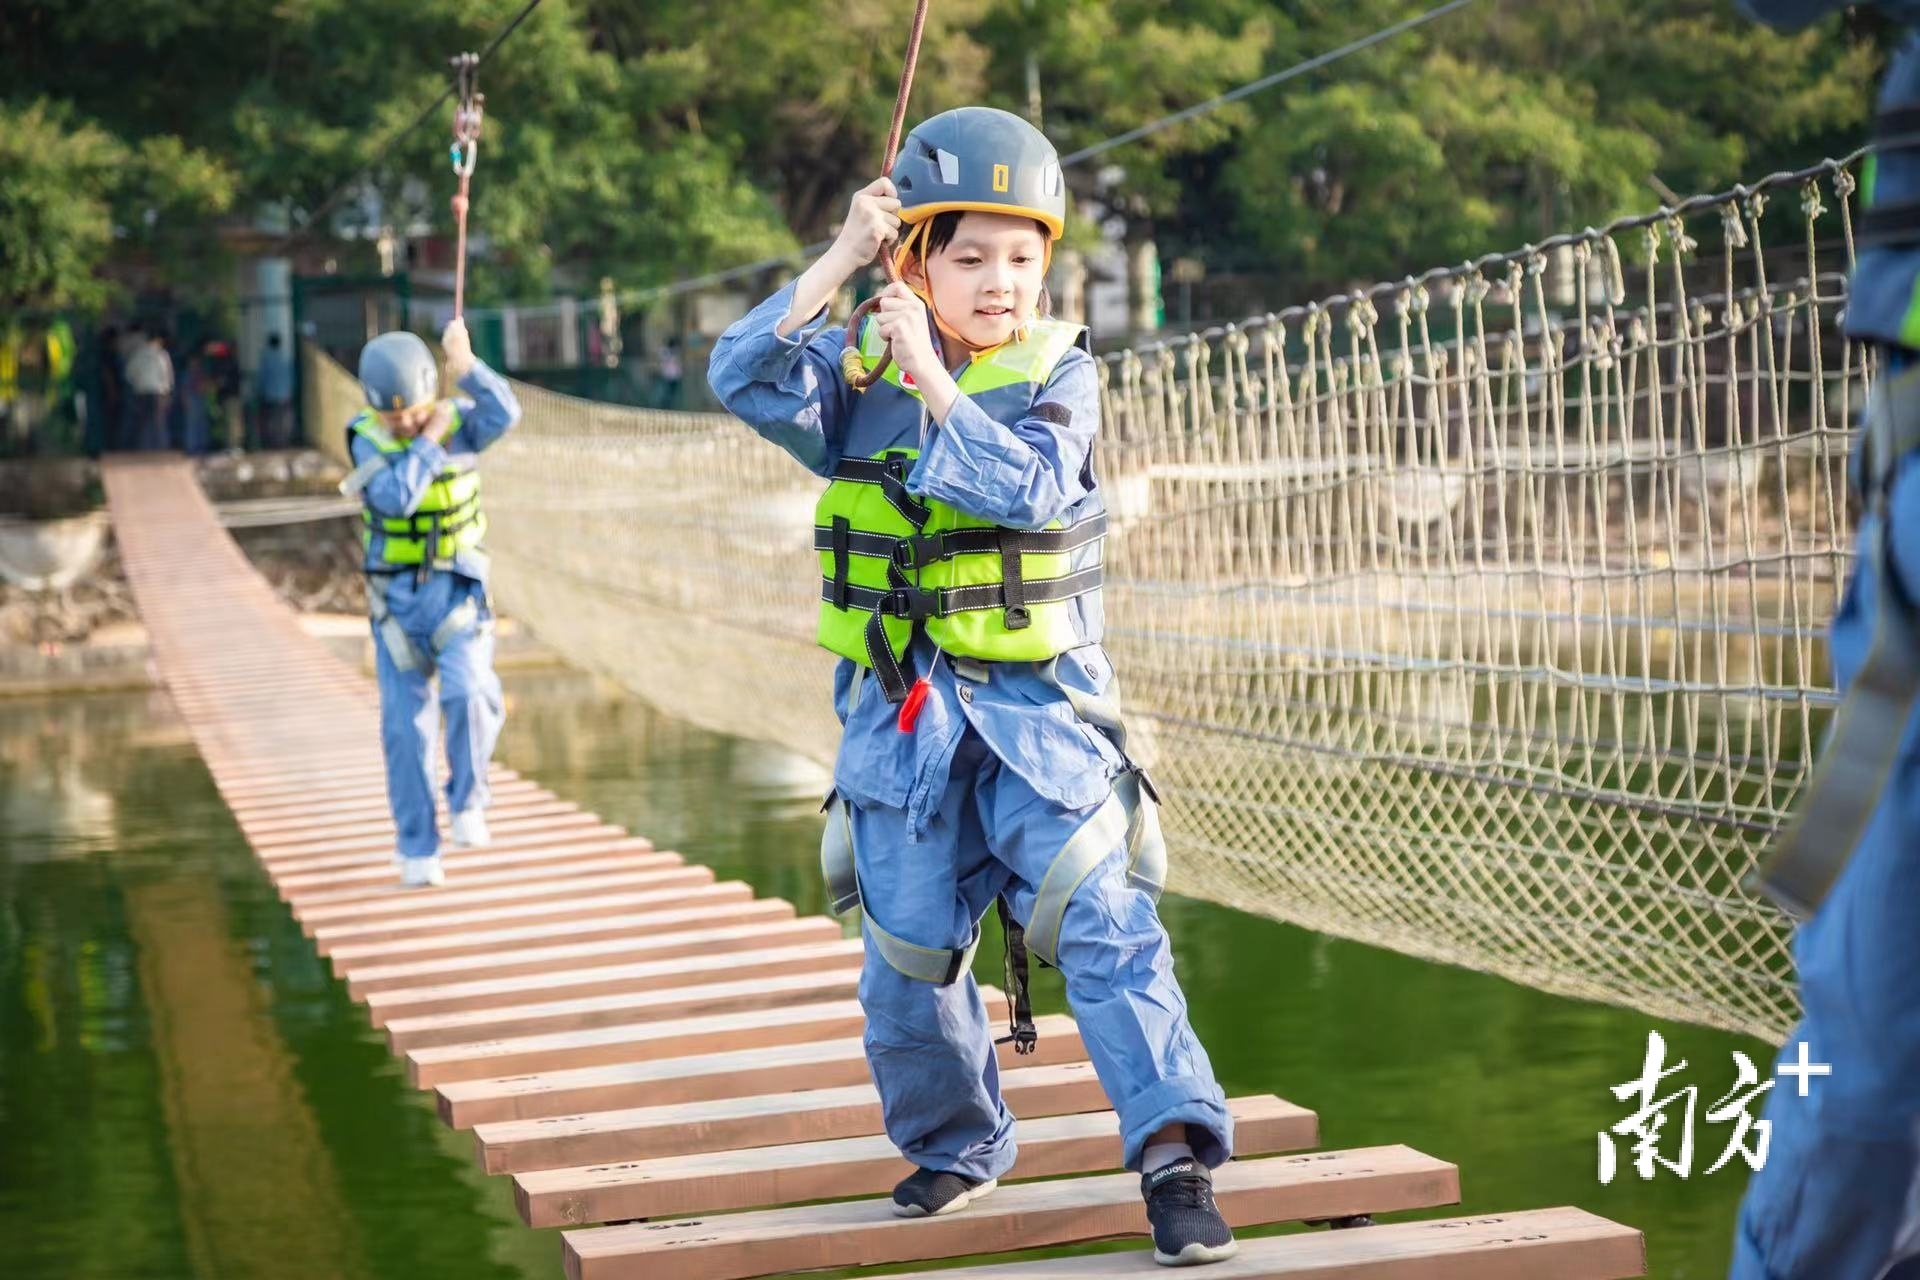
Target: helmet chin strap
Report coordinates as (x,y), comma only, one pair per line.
(913,249)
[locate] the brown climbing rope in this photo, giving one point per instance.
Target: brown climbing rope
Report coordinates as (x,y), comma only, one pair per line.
(466,147)
(860,379)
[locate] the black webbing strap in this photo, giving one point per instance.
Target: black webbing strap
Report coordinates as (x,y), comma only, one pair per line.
(917,551)
(1013,585)
(905,600)
(877,546)
(1897,224)
(839,536)
(1897,128)
(889,471)
(892,671)
(419,523)
(992,595)
(1021,1033)
(1013,547)
(1888,225)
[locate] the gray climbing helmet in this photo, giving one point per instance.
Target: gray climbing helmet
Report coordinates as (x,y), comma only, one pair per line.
(397,371)
(980,159)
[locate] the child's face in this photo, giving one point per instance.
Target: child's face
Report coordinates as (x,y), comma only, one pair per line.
(405,424)
(986,281)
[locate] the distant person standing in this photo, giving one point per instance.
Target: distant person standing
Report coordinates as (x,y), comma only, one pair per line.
(273,385)
(671,371)
(150,379)
(198,398)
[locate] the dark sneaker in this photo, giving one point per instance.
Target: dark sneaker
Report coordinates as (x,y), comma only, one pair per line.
(1187,1227)
(928,1193)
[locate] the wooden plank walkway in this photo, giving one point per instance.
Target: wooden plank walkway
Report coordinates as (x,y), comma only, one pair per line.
(630,1039)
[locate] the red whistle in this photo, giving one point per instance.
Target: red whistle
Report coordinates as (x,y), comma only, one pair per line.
(916,698)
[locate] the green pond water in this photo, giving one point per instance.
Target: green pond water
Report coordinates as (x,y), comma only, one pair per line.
(186,1093)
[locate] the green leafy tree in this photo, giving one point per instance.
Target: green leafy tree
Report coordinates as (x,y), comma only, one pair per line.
(72,194)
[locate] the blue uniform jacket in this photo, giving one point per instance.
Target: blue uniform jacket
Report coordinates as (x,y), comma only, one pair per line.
(1020,473)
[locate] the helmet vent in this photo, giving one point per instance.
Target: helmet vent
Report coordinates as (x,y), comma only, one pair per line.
(949,166)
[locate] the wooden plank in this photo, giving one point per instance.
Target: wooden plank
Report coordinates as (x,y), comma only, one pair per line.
(349,816)
(640,945)
(375,835)
(739,1073)
(272,771)
(1050,1146)
(326,937)
(301,780)
(645,1133)
(634,1006)
(300,806)
(374,817)
(469,877)
(380,869)
(719,905)
(383,857)
(1028,1215)
(372,781)
(432,902)
(636,1042)
(329,795)
(1540,1244)
(613,979)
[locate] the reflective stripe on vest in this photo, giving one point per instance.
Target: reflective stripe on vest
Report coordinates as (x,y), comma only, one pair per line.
(890,561)
(447,521)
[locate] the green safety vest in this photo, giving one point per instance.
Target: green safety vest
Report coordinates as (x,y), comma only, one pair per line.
(890,561)
(448,519)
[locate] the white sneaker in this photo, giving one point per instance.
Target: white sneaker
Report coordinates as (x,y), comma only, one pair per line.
(470,829)
(422,873)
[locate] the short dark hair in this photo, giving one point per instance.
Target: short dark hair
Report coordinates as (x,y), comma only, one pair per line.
(940,231)
(273,339)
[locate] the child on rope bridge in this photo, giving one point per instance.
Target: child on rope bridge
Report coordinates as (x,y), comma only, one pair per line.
(415,457)
(983,759)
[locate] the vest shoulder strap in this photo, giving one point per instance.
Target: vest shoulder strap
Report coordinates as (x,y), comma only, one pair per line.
(369,428)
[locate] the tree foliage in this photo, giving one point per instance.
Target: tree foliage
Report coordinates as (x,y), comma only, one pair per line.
(653,139)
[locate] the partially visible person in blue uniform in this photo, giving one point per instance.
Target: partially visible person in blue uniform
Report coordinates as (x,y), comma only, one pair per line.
(415,457)
(1839,1195)
(983,759)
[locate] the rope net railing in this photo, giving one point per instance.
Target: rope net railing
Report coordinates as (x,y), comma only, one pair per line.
(1476,615)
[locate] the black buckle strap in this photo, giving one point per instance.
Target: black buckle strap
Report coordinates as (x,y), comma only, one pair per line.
(895,674)
(912,603)
(1898,128)
(918,550)
(993,595)
(1021,1033)
(419,524)
(889,471)
(1888,225)
(1013,584)
(904,600)
(431,551)
(841,528)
